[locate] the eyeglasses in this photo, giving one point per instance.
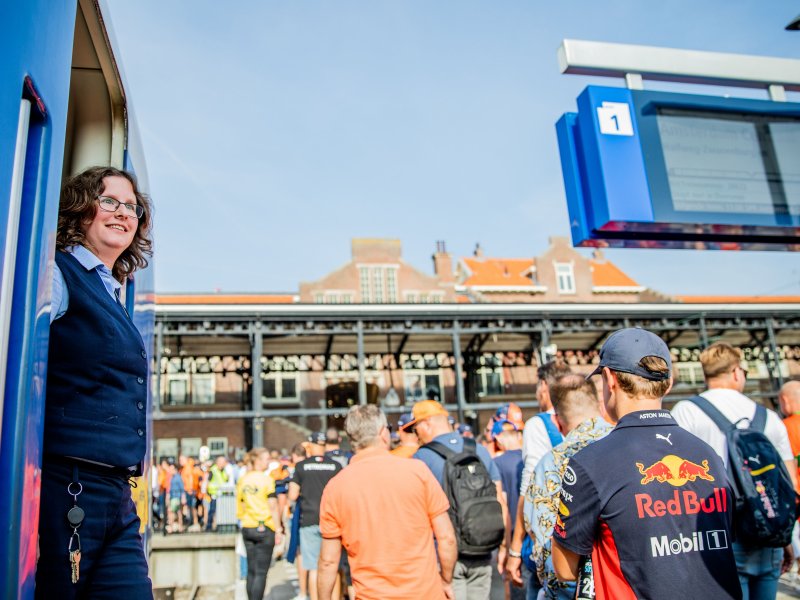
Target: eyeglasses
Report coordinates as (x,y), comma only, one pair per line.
(109,204)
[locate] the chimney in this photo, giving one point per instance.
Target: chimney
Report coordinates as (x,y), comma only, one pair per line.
(443,264)
(478,252)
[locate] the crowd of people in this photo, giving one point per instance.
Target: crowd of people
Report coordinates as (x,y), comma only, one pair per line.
(604,495)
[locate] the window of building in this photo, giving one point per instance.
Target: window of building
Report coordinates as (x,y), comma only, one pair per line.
(411,297)
(565,278)
(377,283)
(318,298)
(203,388)
(279,388)
(166,448)
(177,390)
(363,279)
(422,378)
(391,284)
(490,376)
(190,446)
(218,446)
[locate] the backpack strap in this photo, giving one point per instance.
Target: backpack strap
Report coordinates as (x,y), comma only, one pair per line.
(552,431)
(469,446)
(759,421)
(713,413)
(441,449)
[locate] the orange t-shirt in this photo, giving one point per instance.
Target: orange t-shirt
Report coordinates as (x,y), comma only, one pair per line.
(405,451)
(792,423)
(381,506)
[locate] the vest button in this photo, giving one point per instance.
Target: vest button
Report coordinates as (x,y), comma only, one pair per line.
(140,432)
(139,405)
(140,380)
(144,354)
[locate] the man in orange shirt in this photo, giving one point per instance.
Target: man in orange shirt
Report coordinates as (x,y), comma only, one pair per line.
(789,398)
(409,443)
(389,537)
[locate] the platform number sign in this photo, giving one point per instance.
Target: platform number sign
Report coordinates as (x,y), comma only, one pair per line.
(615,118)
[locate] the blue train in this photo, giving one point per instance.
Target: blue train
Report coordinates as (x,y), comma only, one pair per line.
(64,106)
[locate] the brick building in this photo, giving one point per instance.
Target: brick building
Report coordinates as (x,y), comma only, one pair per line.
(407,322)
(377,274)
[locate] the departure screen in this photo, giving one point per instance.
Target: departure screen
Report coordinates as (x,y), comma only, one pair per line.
(731,163)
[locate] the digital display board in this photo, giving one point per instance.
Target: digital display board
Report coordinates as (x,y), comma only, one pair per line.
(667,170)
(731,162)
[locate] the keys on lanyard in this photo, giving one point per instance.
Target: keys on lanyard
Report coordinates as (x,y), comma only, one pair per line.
(75,517)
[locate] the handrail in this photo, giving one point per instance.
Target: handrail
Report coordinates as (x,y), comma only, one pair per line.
(10,249)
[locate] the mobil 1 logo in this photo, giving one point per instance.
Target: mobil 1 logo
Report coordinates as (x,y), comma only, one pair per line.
(698,541)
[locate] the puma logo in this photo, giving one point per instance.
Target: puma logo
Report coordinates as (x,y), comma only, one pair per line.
(664,437)
(755,459)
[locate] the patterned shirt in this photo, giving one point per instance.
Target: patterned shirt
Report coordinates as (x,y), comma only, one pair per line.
(542,499)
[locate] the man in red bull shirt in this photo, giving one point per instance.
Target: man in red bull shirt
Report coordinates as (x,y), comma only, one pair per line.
(650,502)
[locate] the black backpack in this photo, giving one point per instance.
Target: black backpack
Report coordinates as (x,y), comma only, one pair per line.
(766,502)
(474,510)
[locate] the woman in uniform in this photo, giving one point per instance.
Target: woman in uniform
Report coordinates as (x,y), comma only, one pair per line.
(95,428)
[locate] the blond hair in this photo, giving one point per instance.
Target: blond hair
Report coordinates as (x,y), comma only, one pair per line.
(250,457)
(718,359)
(639,387)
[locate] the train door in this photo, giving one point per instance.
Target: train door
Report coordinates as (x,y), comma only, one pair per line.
(61,109)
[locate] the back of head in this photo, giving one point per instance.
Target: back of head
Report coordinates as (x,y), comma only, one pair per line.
(718,359)
(299,450)
(553,370)
(332,437)
(790,398)
(574,399)
(251,457)
(363,425)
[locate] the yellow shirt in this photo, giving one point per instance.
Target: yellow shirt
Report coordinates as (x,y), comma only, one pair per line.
(252,505)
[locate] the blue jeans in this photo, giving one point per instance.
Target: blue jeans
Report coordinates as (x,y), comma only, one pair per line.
(532,585)
(759,570)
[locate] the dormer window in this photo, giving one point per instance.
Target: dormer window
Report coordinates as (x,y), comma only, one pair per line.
(565,278)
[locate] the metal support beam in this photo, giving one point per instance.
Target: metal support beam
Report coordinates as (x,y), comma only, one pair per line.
(684,66)
(362,380)
(159,349)
(773,347)
(703,332)
(256,388)
(460,400)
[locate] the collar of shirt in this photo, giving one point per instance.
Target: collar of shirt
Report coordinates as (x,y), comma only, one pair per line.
(369,453)
(647,418)
(587,429)
(89,261)
(722,394)
(448,438)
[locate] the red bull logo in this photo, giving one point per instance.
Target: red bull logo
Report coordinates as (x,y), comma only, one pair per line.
(674,470)
(686,502)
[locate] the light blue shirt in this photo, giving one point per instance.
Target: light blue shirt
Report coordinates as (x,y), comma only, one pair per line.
(60,297)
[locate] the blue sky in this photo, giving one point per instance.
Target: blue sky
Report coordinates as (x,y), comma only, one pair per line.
(276,131)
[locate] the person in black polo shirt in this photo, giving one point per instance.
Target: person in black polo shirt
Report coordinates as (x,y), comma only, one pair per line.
(650,502)
(310,478)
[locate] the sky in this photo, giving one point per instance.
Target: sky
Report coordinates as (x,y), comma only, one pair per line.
(276,131)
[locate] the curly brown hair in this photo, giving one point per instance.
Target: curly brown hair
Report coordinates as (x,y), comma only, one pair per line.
(78,208)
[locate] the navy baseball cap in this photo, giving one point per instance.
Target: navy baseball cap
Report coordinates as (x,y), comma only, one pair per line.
(405,419)
(318,437)
(625,348)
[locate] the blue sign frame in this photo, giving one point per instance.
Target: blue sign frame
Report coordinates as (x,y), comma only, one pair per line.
(617,180)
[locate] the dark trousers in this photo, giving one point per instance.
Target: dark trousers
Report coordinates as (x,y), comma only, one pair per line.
(259,545)
(212,510)
(112,561)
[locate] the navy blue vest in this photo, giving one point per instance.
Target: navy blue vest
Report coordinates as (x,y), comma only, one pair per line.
(96,376)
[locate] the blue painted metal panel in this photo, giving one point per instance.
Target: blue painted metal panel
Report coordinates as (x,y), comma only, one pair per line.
(35,40)
(614,165)
(627,183)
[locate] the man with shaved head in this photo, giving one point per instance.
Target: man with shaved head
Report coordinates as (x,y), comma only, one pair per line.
(789,398)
